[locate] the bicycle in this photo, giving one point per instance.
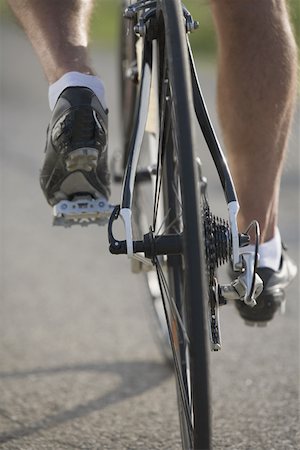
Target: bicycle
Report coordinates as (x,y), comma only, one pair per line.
(177,243)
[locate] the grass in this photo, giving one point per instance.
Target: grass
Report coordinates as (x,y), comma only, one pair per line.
(106,17)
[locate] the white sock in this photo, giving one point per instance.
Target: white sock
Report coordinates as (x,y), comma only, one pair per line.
(75,79)
(269,252)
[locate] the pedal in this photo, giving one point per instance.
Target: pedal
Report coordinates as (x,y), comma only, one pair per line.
(82,211)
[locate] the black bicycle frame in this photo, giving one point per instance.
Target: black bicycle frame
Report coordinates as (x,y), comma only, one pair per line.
(141,112)
(141,115)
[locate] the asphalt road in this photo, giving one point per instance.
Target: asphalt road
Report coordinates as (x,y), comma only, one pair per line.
(79,368)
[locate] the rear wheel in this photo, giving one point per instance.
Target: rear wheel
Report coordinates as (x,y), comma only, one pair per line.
(169,203)
(182,278)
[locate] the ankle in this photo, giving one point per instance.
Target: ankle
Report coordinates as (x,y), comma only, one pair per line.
(269,251)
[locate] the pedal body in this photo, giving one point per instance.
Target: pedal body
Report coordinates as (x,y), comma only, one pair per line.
(82,211)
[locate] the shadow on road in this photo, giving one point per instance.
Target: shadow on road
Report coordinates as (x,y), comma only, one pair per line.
(136,378)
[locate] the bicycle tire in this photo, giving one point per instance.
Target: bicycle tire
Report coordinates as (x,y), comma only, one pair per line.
(186,273)
(181,278)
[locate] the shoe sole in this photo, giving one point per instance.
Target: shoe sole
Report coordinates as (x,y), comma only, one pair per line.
(291,274)
(263,323)
(77,162)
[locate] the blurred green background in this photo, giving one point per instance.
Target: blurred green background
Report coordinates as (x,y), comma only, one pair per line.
(105,21)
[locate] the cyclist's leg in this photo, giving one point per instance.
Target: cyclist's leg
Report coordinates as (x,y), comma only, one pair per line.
(256,93)
(256,96)
(76,149)
(58,31)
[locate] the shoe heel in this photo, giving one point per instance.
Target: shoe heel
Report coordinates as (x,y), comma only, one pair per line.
(82,159)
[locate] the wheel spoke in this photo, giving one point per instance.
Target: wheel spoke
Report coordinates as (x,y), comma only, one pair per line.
(177,365)
(142,259)
(171,224)
(163,221)
(164,130)
(177,196)
(171,302)
(163,139)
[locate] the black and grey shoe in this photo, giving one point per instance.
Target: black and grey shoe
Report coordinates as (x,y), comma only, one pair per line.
(76,148)
(273,296)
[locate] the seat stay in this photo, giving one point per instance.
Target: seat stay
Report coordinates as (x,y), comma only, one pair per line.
(143,101)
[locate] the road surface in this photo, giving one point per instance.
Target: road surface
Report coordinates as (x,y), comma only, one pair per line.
(79,368)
